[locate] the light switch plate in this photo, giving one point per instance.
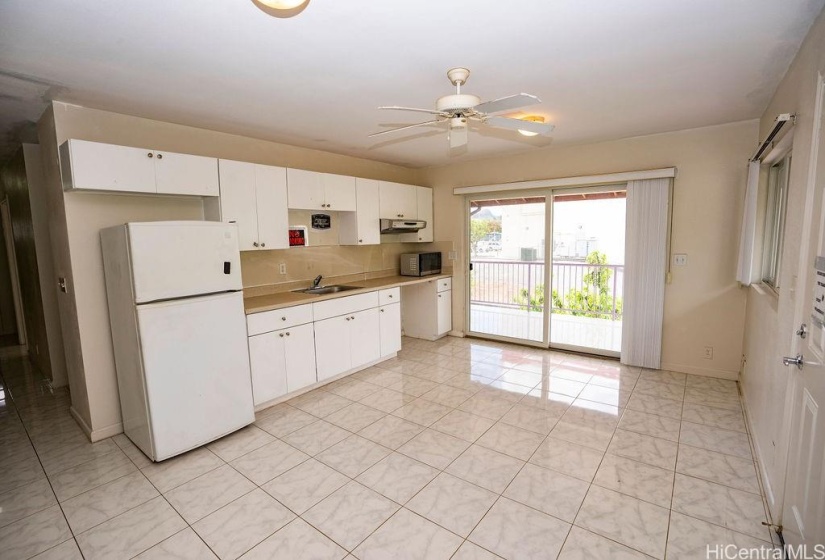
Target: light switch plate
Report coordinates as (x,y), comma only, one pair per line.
(451,255)
(680,259)
(282,268)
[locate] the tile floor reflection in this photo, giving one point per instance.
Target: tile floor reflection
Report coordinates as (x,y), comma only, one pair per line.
(455,449)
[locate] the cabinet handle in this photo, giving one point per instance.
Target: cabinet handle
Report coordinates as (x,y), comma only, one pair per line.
(439,295)
(283,318)
(347,318)
(150,154)
(381,310)
(353,318)
(287,333)
(360,241)
(254,243)
(160,156)
(263,244)
(281,335)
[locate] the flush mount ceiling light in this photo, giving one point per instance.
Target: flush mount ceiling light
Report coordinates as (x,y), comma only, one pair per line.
(281,8)
(535,119)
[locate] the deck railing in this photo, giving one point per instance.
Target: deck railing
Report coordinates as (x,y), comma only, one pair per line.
(520,284)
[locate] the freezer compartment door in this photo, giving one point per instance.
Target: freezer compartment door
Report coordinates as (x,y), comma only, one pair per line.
(196,370)
(180,259)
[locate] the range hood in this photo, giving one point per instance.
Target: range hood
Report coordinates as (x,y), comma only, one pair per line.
(401,226)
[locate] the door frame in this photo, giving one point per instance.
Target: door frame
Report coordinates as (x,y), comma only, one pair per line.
(548,194)
(579,190)
(8,234)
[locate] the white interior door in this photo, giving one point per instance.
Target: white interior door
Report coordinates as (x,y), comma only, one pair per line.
(803,515)
(196,370)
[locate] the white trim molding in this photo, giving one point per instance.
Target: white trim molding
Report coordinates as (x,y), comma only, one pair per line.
(584,180)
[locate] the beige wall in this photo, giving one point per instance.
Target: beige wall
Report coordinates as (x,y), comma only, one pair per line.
(703,305)
(84,311)
(770,321)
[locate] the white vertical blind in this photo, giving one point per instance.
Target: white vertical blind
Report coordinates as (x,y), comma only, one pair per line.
(645,267)
(747,237)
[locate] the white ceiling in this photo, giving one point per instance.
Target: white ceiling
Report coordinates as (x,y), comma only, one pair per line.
(604,70)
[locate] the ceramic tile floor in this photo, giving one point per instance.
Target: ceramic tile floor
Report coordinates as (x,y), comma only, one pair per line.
(456,449)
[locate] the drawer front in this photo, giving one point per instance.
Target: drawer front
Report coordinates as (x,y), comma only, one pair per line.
(445,284)
(266,321)
(343,305)
(386,297)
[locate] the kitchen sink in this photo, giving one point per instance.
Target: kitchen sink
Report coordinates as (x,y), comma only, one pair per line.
(321,290)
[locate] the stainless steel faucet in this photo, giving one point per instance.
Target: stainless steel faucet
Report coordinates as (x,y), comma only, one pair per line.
(316,282)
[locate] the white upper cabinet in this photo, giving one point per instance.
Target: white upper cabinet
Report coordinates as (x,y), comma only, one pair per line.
(253,197)
(186,174)
(424,198)
(271,204)
(398,201)
(310,190)
(362,227)
(96,166)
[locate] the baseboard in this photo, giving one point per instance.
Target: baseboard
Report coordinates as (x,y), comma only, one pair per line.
(707,372)
(95,435)
(457,334)
(768,491)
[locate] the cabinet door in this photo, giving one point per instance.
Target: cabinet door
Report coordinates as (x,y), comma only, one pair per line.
(397,200)
(332,346)
(305,189)
(390,320)
(362,227)
(238,200)
(106,167)
(272,211)
(300,357)
(424,212)
(444,312)
(186,174)
(339,192)
(366,337)
(268,364)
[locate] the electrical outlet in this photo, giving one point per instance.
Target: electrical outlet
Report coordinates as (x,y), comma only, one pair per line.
(282,268)
(708,352)
(680,259)
(452,255)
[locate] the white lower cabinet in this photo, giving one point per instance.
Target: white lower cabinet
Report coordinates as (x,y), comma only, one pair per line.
(282,361)
(295,347)
(427,309)
(332,337)
(390,322)
(347,342)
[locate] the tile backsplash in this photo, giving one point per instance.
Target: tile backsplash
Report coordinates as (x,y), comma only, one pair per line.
(262,268)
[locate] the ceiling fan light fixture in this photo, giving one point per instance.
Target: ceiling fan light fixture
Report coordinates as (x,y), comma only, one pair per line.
(531,118)
(281,8)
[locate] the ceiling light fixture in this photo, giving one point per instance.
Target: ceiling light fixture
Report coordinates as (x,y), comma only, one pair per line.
(281,8)
(530,118)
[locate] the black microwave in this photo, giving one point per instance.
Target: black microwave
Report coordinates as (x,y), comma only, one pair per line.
(420,264)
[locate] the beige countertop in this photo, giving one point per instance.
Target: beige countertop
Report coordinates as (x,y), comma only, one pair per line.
(256,304)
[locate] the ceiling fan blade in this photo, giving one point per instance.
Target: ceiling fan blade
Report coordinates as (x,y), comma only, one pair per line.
(517,124)
(509,103)
(404,128)
(430,111)
(458,137)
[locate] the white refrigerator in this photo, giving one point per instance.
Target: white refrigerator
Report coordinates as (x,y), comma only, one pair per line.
(179,333)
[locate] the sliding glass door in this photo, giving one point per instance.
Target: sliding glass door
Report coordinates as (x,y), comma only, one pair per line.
(508,296)
(587,275)
(507,267)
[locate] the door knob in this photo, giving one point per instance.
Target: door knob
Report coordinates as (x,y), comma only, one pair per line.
(797,361)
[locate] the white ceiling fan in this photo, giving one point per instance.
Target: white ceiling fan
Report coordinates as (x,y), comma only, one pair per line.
(461,109)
